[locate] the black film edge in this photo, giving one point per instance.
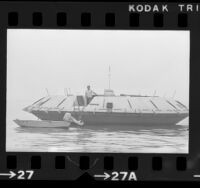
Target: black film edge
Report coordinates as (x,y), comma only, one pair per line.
(145,56)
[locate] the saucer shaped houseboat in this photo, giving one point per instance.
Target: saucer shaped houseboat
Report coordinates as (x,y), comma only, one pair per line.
(110,109)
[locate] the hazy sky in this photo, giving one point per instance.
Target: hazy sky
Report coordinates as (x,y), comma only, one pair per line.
(141,62)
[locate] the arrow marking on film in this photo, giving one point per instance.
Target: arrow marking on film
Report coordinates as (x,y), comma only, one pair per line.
(11,174)
(104,176)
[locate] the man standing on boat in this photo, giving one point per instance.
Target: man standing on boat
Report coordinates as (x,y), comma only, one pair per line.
(89,94)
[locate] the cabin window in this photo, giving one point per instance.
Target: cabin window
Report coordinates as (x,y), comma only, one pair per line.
(109,105)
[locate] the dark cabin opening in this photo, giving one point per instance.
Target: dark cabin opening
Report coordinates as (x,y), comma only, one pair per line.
(80,100)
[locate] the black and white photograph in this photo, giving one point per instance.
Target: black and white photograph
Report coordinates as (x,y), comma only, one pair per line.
(97,91)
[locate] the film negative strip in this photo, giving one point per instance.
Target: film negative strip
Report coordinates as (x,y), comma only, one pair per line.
(106,91)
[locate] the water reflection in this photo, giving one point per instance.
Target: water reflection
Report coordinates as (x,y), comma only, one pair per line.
(99,139)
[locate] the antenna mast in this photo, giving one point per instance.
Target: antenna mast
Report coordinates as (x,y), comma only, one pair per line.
(109,75)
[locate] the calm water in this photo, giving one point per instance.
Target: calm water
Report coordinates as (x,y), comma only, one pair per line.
(76,139)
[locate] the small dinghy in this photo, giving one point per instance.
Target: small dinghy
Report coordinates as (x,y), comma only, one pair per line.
(42,124)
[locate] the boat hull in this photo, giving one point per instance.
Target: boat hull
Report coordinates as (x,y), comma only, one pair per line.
(104,118)
(42,124)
